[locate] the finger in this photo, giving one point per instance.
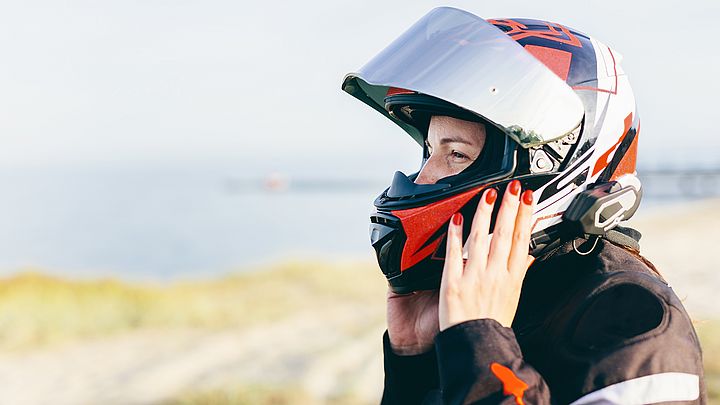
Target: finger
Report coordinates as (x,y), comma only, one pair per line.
(478,242)
(505,225)
(452,270)
(518,260)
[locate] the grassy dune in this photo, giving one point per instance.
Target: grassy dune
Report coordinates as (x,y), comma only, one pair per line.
(36,309)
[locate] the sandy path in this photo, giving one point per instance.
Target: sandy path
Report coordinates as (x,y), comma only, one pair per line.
(322,353)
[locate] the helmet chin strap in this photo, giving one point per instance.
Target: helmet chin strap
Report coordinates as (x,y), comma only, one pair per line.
(619,235)
(596,237)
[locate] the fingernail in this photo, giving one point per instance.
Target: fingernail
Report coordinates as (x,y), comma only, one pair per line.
(457,218)
(527,197)
(491,196)
(514,187)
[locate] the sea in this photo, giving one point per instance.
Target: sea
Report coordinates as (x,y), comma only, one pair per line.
(170,223)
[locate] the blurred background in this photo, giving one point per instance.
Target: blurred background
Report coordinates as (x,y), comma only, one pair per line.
(186,190)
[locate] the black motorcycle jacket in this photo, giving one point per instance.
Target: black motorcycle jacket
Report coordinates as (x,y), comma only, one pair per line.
(596,329)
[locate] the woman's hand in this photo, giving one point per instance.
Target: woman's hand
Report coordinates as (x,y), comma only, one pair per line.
(412,321)
(488,284)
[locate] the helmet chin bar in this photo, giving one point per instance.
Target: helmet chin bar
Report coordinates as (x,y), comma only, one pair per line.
(403,186)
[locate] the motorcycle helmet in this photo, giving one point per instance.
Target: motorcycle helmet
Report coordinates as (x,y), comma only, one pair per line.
(559,114)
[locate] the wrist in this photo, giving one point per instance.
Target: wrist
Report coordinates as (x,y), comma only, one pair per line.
(410,349)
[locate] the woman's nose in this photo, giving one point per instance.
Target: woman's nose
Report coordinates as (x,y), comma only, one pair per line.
(428,174)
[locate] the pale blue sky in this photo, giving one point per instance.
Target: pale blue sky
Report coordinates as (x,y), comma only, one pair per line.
(137,81)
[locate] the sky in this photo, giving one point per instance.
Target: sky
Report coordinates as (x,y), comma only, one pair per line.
(257,84)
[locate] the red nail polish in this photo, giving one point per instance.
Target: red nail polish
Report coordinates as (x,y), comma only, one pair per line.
(527,197)
(491,196)
(514,187)
(457,218)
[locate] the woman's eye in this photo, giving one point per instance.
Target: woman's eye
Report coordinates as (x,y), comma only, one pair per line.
(458,156)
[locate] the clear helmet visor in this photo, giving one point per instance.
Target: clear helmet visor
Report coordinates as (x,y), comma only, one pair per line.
(461,58)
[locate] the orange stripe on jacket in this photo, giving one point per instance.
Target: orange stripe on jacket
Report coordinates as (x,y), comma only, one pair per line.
(511,384)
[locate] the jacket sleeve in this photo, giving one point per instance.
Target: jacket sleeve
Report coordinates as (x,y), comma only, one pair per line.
(626,343)
(480,362)
(408,379)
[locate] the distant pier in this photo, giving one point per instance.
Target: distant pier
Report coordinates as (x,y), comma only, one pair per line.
(657,183)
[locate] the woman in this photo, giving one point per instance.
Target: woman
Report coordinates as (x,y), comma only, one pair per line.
(499,107)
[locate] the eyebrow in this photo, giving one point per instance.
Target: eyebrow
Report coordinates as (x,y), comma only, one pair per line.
(446,140)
